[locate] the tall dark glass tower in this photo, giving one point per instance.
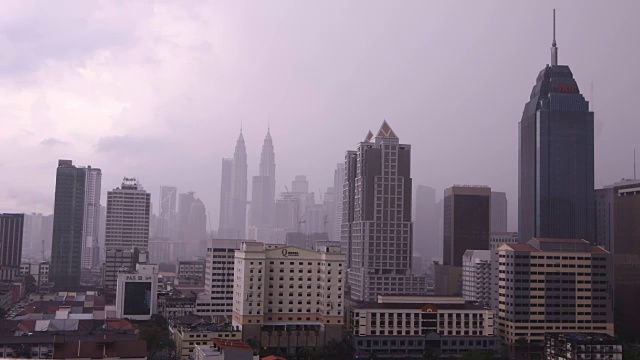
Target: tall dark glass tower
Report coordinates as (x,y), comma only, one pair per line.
(556,195)
(68,222)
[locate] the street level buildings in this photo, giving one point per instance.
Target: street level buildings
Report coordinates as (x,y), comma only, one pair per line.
(552,285)
(377,229)
(574,346)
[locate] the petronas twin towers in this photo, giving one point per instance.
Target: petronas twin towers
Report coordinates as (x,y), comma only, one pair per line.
(233,194)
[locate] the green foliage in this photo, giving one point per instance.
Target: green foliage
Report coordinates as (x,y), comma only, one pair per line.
(156,333)
(30,284)
(478,355)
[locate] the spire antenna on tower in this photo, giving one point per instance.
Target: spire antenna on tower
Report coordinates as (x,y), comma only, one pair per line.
(554,47)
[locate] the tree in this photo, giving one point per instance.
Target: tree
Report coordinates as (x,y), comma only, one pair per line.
(31,286)
(478,355)
(156,334)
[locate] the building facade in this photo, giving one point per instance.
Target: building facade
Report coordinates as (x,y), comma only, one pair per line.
(552,285)
(11,231)
(414,326)
(168,221)
(68,225)
(91,230)
(39,271)
(377,232)
(285,288)
(497,239)
(467,221)
(556,189)
(476,276)
(574,346)
(137,293)
(499,211)
(128,212)
(425,232)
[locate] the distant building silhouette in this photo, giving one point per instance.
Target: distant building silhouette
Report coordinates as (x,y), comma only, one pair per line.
(234,225)
(425,224)
(499,211)
(167,214)
(261,216)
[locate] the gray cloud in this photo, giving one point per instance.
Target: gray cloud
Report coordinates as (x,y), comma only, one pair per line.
(53,142)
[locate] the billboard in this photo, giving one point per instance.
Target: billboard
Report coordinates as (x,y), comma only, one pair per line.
(137,298)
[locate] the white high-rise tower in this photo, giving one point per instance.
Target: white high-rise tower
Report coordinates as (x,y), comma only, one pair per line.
(91,226)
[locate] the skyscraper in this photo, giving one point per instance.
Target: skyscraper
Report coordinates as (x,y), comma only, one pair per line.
(197,231)
(68,225)
(11,230)
(91,227)
(498,211)
(467,213)
(377,229)
(425,228)
(127,228)
(556,192)
(235,227)
(168,217)
(224,224)
(261,218)
(128,212)
(185,200)
(338,189)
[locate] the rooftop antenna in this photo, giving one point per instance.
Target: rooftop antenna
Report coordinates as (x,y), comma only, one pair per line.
(554,48)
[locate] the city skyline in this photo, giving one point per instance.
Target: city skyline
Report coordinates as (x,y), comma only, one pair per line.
(41,136)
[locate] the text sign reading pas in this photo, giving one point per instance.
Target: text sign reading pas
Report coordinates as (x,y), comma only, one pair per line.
(138,278)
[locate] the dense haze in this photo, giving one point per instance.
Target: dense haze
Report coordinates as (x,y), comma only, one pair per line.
(159,90)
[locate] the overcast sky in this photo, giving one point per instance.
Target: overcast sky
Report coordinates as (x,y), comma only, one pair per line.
(159,90)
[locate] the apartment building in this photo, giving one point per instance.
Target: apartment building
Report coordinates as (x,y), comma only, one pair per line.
(476,276)
(189,334)
(403,326)
(574,346)
(284,288)
(552,285)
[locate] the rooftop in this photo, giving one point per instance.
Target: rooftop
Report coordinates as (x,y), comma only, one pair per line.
(415,306)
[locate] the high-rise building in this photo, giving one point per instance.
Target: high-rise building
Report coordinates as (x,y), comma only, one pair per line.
(127,229)
(556,191)
(185,201)
(217,299)
(288,289)
(167,214)
(11,230)
(36,237)
(68,225)
(128,211)
(91,230)
(338,189)
(300,184)
(552,285)
(467,214)
(425,226)
(476,276)
(499,238)
(376,224)
(618,211)
(239,191)
(499,211)
(197,235)
(225,197)
(329,221)
(261,218)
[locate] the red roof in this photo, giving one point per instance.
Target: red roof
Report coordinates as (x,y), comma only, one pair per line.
(522,247)
(99,349)
(119,324)
(561,240)
(273,357)
(234,344)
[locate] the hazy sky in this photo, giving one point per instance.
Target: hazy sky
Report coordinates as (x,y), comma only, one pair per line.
(158,90)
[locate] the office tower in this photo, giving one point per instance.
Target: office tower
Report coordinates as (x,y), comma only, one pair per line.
(224,225)
(300,184)
(263,194)
(137,293)
(556,192)
(197,230)
(618,211)
(278,287)
(217,299)
(377,229)
(552,285)
(185,201)
(476,276)
(497,239)
(167,214)
(239,191)
(338,189)
(128,211)
(102,231)
(498,211)
(127,229)
(11,230)
(329,221)
(91,230)
(425,226)
(68,225)
(467,213)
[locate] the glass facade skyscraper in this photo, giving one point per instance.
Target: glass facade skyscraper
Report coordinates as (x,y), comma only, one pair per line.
(556,190)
